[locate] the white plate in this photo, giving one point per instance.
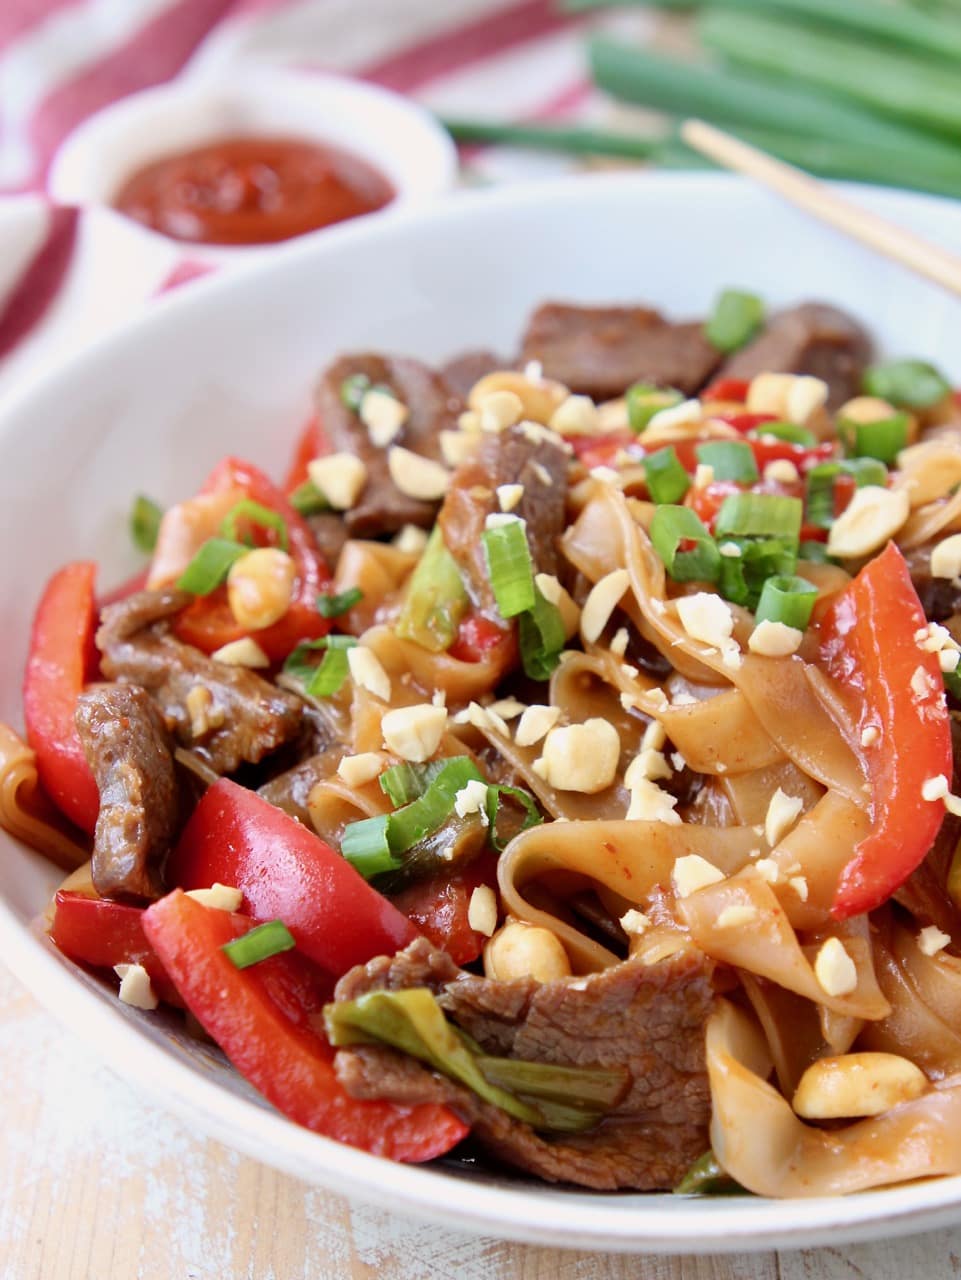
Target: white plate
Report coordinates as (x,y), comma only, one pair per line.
(227,366)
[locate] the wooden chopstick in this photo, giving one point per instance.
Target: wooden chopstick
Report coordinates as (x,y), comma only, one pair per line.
(807,193)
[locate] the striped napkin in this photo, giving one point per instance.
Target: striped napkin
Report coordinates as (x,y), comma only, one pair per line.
(65,277)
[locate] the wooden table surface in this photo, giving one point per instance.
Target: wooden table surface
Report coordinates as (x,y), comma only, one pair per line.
(96,1183)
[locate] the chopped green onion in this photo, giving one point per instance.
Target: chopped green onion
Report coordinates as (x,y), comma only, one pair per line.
(255,513)
(307,500)
(644,400)
(353,390)
(789,431)
(729,460)
(787,599)
(266,940)
(907,384)
(883,439)
(706,1178)
(510,567)
(495,794)
(418,819)
(329,676)
(866,471)
(819,500)
(365,846)
(735,320)
(210,566)
(404,782)
(667,481)
(541,637)
(742,576)
(436,599)
(814,553)
(369,842)
(326,679)
(601,1087)
(145,517)
(671,528)
(759,515)
(334,606)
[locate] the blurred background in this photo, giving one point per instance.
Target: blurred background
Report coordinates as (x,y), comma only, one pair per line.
(866,89)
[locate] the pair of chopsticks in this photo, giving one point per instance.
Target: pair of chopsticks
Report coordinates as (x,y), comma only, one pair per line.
(800,189)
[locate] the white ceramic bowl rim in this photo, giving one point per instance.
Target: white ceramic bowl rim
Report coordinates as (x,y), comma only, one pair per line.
(520,1210)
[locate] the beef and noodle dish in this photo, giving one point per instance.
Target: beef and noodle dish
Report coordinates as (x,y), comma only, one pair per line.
(556,768)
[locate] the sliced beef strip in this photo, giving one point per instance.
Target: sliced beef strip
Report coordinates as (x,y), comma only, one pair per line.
(510,457)
(649,1019)
(128,749)
(138,648)
(600,351)
(940,597)
(464,370)
(382,508)
(813,338)
(330,534)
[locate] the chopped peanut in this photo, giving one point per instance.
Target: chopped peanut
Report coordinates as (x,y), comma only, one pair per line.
(580,757)
(414,733)
(260,587)
(857,1084)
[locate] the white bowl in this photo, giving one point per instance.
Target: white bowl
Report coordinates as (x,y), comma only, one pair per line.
(227,366)
(392,133)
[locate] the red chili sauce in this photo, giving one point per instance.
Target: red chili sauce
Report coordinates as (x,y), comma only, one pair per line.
(253,190)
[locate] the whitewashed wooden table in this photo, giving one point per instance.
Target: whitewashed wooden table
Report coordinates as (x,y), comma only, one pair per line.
(96,1183)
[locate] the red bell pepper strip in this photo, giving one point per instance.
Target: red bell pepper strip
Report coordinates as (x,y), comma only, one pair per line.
(264,1019)
(286,872)
(61,658)
(867,644)
(476,637)
(439,907)
(101,934)
(311,443)
(207,623)
(727,389)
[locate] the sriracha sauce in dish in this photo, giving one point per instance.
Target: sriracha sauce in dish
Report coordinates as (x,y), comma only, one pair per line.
(252,190)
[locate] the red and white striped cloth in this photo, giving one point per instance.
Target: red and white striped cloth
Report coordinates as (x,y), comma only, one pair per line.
(60,60)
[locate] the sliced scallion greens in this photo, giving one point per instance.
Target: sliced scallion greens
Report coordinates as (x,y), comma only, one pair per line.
(307,500)
(210,566)
(907,384)
(729,460)
(366,847)
(368,844)
(883,439)
(436,599)
(689,552)
(255,513)
(510,567)
(819,499)
(145,517)
(742,576)
(760,515)
(787,599)
(325,679)
(333,606)
(787,431)
(495,797)
(667,481)
(644,400)
(735,320)
(261,943)
(541,637)
(353,390)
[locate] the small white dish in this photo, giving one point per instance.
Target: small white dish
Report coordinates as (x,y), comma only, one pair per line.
(390,132)
(227,366)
